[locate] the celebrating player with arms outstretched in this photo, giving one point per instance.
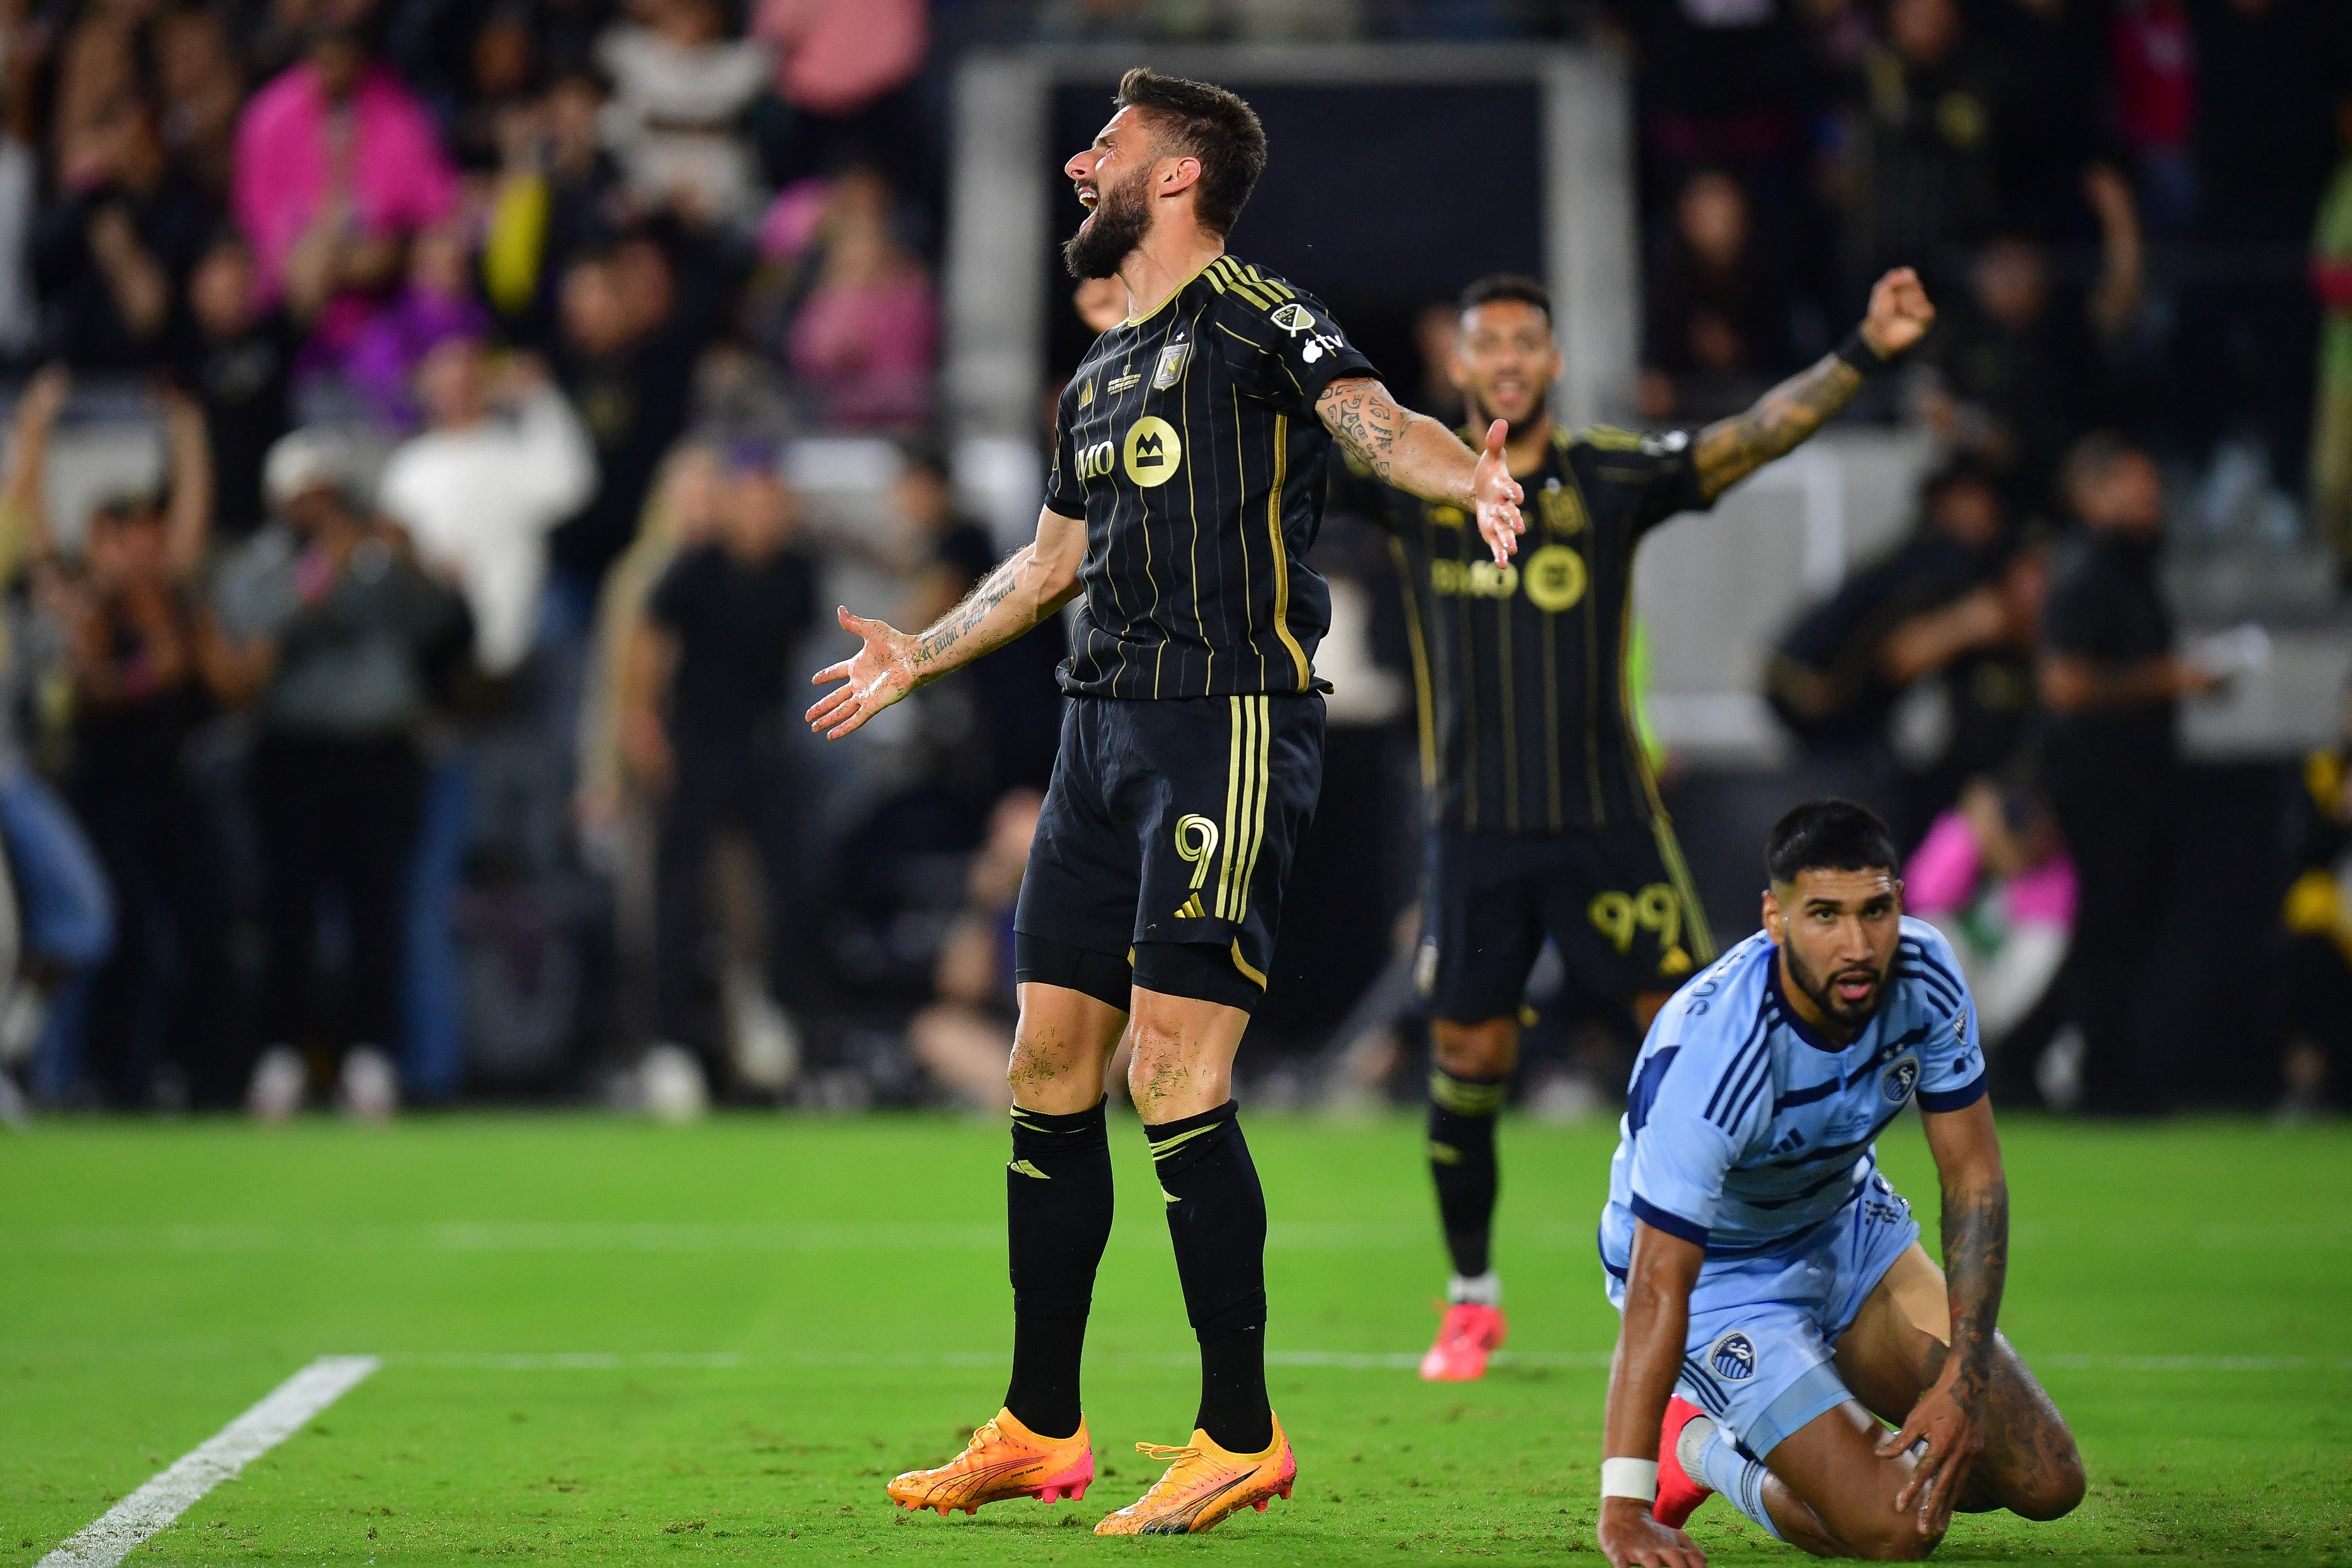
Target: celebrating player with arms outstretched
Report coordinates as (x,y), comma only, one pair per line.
(1547,821)
(1771,1281)
(1187,485)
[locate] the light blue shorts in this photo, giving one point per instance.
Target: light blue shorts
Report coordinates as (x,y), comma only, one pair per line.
(1763,1328)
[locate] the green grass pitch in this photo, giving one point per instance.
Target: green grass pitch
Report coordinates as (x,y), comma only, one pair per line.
(613,1343)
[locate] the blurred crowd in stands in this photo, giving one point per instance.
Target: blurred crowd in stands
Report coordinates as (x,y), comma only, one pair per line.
(442,430)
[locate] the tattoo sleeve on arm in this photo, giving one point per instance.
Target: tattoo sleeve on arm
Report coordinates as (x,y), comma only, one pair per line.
(1410,450)
(1367,421)
(1976,1265)
(955,638)
(1731,449)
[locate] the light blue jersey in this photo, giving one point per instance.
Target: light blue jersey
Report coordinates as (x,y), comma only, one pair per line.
(1748,1134)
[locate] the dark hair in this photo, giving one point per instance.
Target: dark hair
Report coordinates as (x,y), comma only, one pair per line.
(1199,119)
(1829,835)
(1516,285)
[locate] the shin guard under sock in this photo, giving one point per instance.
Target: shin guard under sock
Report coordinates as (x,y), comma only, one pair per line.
(1722,1466)
(1217,1216)
(1058,1211)
(1462,1158)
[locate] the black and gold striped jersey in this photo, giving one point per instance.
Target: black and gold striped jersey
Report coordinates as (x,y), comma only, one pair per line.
(1188,442)
(1520,670)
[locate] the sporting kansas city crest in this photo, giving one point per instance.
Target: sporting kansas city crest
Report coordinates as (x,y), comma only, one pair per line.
(1900,1079)
(1732,1358)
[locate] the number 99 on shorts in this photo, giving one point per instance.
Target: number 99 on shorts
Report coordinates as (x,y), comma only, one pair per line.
(1620,915)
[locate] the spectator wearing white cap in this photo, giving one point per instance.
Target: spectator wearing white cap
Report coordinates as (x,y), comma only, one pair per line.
(331,629)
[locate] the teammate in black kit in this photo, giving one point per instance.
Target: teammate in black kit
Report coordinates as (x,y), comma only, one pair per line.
(1187,483)
(1547,819)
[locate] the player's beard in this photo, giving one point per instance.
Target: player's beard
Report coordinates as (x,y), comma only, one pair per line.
(1823,991)
(1513,428)
(1112,230)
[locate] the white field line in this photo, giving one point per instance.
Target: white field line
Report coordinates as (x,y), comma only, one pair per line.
(1342,1360)
(656,1237)
(884,1236)
(219,1457)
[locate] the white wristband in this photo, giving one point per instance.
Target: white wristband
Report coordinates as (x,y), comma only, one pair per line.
(1636,1478)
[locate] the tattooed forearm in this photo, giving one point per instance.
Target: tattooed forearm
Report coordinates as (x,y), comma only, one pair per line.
(1731,449)
(1976,1264)
(963,634)
(1408,450)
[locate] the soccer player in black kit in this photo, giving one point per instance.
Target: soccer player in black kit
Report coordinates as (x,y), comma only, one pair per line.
(1188,482)
(1546,819)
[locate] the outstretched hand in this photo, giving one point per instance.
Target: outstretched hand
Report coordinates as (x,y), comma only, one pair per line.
(1899,313)
(1498,496)
(1955,1435)
(880,673)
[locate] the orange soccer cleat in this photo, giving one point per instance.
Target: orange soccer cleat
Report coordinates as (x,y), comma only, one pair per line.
(1204,1485)
(1679,1491)
(1470,1333)
(1004,1459)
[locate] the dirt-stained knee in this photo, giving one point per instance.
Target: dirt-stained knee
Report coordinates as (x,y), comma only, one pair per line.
(1160,1071)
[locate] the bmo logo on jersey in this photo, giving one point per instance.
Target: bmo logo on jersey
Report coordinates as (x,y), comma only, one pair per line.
(1900,1079)
(1153,452)
(1095,461)
(1732,1357)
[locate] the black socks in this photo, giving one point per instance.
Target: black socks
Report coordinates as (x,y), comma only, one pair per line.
(1462,1157)
(1217,1216)
(1057,1212)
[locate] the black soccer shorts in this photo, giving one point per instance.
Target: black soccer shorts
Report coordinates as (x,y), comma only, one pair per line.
(1615,899)
(1175,822)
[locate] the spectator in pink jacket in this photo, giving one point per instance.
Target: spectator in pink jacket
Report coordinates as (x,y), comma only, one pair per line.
(842,68)
(866,342)
(336,166)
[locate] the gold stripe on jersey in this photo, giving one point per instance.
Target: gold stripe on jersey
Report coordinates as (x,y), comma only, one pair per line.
(1248,285)
(1192,510)
(1268,283)
(1150,579)
(1242,533)
(1225,276)
(1156,309)
(1424,695)
(1250,972)
(1510,707)
(1466,691)
(1553,817)
(1281,554)
(1592,700)
(1237,338)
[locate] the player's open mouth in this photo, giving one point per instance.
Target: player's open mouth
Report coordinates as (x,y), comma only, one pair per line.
(1087,197)
(1854,988)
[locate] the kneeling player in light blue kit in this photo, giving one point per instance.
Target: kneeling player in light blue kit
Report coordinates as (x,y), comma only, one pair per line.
(1777,1302)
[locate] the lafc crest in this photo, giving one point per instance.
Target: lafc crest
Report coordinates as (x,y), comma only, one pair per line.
(1170,368)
